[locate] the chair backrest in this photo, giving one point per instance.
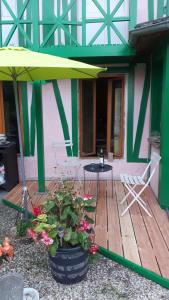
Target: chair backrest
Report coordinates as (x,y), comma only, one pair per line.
(154,162)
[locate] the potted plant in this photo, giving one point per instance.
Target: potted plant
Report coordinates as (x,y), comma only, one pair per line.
(63,225)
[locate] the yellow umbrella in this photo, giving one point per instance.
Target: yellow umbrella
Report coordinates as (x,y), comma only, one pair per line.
(20,64)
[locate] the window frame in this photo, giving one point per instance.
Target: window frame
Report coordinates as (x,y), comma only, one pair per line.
(110,79)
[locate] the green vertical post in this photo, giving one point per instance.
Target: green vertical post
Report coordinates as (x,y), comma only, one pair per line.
(20,36)
(164,172)
(160,8)
(74,18)
(84,23)
(35,22)
(40,139)
(48,15)
(150,10)
(133,14)
(74,87)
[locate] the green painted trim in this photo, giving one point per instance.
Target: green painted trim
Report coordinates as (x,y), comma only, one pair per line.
(74,17)
(40,138)
(74,93)
(20,35)
(24,100)
(133,14)
(62,115)
(35,23)
(150,10)
(64,6)
(84,23)
(142,112)
(48,14)
(130,114)
(160,8)
(0,25)
(156,95)
(94,51)
(28,26)
(164,171)
(136,268)
(16,207)
(32,123)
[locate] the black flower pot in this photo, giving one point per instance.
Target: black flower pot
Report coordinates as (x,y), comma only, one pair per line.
(70,265)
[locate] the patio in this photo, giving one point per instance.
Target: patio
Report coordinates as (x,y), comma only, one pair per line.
(142,240)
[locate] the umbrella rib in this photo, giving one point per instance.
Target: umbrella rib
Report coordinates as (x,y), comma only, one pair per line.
(27,70)
(83,72)
(3,72)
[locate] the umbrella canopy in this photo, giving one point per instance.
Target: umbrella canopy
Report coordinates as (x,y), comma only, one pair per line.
(20,64)
(24,65)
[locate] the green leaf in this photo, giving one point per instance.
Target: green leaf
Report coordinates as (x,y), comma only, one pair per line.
(90,208)
(89,202)
(65,213)
(42,218)
(68,234)
(74,238)
(90,220)
(74,218)
(51,220)
(79,200)
(52,234)
(49,205)
(40,227)
(53,248)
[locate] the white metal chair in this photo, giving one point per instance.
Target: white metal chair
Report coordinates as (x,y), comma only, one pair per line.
(67,164)
(131,182)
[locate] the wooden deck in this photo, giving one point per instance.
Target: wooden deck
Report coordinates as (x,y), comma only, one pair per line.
(135,236)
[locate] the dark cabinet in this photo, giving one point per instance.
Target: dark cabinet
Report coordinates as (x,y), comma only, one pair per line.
(8,166)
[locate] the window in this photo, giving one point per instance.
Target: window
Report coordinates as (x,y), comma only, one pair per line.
(101,116)
(8,121)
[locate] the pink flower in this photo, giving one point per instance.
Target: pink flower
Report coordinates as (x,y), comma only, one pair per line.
(84,226)
(47,241)
(87,197)
(32,234)
(36,211)
(93,249)
(44,234)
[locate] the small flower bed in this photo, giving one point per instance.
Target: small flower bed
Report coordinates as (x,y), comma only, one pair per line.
(6,250)
(63,221)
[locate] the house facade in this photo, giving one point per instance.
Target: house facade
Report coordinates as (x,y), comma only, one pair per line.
(118,112)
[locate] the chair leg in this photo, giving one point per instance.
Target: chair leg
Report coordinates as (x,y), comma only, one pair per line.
(126,196)
(133,193)
(136,198)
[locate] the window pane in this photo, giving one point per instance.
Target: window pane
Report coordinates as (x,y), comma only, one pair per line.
(116,116)
(87,117)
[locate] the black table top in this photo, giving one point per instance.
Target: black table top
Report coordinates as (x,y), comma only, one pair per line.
(97,168)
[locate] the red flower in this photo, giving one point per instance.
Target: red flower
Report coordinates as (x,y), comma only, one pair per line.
(87,197)
(93,249)
(32,234)
(36,211)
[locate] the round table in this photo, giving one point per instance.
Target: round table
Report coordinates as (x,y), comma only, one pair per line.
(97,168)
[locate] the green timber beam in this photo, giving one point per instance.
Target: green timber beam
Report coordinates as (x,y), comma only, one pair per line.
(156,95)
(142,112)
(94,51)
(133,14)
(150,10)
(32,123)
(62,115)
(48,14)
(40,139)
(160,8)
(164,172)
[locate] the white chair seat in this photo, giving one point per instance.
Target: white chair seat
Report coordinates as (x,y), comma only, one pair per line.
(130,179)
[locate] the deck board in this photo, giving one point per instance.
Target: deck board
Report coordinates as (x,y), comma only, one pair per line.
(135,236)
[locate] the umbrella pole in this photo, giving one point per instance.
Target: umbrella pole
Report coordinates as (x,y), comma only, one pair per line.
(25,195)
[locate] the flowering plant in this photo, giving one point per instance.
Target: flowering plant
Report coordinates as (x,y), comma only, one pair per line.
(63,221)
(6,250)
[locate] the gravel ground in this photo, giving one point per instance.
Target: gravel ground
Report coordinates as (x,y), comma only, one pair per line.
(106,279)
